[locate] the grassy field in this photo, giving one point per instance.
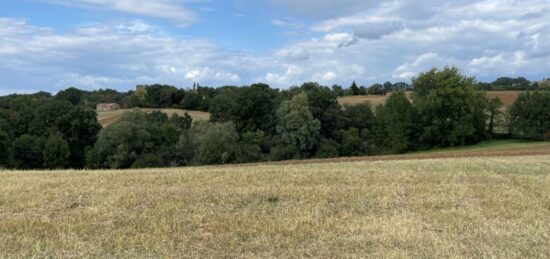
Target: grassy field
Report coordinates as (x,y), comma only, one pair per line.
(108,117)
(507,97)
(495,207)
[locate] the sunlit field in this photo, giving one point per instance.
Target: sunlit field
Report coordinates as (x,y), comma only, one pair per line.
(107,117)
(447,207)
(507,97)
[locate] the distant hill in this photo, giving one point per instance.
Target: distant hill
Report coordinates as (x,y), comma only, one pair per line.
(507,97)
(107,117)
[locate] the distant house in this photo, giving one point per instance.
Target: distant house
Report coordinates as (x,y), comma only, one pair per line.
(103,107)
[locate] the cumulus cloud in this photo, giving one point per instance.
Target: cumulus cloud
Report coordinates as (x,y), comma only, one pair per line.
(422,63)
(116,56)
(374,42)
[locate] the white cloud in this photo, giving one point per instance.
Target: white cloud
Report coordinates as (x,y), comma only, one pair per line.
(165,9)
(295,53)
(117,56)
(393,40)
(324,8)
(422,63)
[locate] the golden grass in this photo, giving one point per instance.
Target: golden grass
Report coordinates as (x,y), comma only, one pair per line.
(465,207)
(107,117)
(507,97)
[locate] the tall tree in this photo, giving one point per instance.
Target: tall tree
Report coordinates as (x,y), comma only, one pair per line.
(450,111)
(394,124)
(297,127)
(353,89)
(530,115)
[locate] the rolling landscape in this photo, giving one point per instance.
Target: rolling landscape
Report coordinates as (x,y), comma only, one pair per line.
(274,129)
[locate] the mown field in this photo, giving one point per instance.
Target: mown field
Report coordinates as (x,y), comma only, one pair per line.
(108,117)
(507,97)
(495,206)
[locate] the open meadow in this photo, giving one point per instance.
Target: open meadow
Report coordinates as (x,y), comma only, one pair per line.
(495,206)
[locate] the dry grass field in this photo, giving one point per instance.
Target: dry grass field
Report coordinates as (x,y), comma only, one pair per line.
(492,207)
(507,97)
(108,117)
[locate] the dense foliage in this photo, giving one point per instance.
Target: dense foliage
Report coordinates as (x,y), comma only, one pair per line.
(258,123)
(530,116)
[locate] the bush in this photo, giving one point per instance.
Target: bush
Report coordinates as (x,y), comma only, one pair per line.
(27,152)
(56,152)
(219,144)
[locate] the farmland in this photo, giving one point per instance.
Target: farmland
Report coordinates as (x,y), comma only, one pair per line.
(430,206)
(107,117)
(507,98)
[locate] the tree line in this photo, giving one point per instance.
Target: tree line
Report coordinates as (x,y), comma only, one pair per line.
(258,123)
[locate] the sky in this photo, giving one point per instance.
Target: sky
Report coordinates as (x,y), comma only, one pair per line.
(50,45)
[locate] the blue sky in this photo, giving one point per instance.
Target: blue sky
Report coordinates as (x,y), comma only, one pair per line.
(90,44)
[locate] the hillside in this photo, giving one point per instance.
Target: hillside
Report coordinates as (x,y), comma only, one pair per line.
(108,117)
(444,207)
(507,97)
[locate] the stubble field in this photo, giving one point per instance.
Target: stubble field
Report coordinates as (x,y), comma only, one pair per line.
(495,206)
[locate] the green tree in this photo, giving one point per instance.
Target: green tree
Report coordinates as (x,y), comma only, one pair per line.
(181,122)
(73,95)
(47,115)
(79,127)
(530,116)
(450,112)
(224,105)
(56,152)
(394,124)
(251,147)
(494,110)
(353,89)
(119,145)
(297,127)
(352,143)
(358,116)
(324,106)
(186,148)
(6,155)
(27,151)
(219,144)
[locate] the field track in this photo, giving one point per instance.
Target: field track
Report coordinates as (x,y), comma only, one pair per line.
(533,149)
